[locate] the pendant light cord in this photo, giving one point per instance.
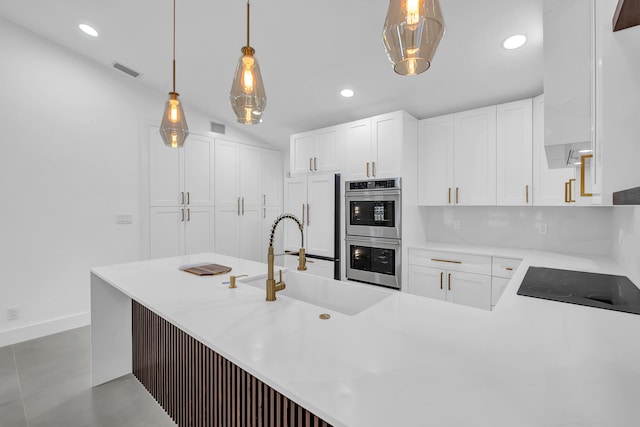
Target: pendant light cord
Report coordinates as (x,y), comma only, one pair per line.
(248,22)
(174,46)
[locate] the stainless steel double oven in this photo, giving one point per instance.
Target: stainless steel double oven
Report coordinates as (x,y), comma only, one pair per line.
(373,234)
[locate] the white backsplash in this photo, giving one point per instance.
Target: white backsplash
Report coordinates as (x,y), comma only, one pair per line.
(626,239)
(570,229)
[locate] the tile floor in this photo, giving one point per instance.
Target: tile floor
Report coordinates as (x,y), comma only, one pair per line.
(47,382)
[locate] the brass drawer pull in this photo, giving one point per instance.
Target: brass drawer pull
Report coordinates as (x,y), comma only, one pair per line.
(373,168)
(303,214)
(449,196)
(508,268)
(367,169)
(188,197)
(310,164)
(445,260)
(566,192)
(315,163)
(457,191)
(182,197)
(571,181)
(182,219)
(441,276)
(189,214)
(527,194)
(449,282)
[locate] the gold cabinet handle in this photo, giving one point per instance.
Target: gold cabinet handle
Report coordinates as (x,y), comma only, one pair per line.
(566,192)
(373,168)
(264,213)
(308,214)
(583,160)
(243,206)
(188,197)
(527,194)
(182,197)
(188,214)
(457,192)
(182,219)
(238,206)
(449,282)
(310,164)
(449,195)
(367,169)
(571,181)
(508,268)
(303,214)
(264,199)
(446,260)
(315,163)
(441,276)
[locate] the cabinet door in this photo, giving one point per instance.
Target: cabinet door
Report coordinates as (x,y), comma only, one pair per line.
(226,174)
(269,215)
(166,176)
(427,282)
(226,231)
(358,150)
(271,178)
(198,171)
(301,146)
(498,285)
(514,153)
(386,145)
(166,231)
(469,289)
(199,230)
(327,147)
(320,215)
(475,156)
(435,161)
(295,199)
(250,234)
(548,184)
(250,167)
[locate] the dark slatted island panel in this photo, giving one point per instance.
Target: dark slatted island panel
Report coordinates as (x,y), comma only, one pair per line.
(199,388)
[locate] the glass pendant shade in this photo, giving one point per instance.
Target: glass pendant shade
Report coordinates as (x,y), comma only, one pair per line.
(248,97)
(173,129)
(412,31)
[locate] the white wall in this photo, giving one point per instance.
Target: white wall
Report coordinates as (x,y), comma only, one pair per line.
(626,239)
(570,229)
(74,143)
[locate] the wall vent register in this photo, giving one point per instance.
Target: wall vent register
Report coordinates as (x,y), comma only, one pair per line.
(578,287)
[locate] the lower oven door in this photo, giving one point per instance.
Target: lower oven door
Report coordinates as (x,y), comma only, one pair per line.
(373,260)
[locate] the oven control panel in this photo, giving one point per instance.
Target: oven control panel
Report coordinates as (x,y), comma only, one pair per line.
(378,184)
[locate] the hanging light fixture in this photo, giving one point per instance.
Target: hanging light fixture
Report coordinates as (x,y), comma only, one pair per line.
(174,129)
(248,98)
(411,34)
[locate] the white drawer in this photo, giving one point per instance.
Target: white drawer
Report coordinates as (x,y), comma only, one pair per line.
(504,267)
(454,261)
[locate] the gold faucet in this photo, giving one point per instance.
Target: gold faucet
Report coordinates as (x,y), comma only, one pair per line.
(272,285)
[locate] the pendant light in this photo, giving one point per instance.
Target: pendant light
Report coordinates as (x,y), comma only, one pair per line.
(248,98)
(411,34)
(174,129)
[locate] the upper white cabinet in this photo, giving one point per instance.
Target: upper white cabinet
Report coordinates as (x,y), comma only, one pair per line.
(514,153)
(457,159)
(183,176)
(311,199)
(317,151)
(374,146)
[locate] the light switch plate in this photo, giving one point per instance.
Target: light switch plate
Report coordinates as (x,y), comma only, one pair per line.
(541,227)
(456,224)
(124,219)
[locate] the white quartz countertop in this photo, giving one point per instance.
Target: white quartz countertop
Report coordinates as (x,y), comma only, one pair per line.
(410,360)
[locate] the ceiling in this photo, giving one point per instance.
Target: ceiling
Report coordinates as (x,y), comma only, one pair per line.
(308,51)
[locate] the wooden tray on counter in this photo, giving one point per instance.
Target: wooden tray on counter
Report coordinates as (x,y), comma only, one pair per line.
(205,269)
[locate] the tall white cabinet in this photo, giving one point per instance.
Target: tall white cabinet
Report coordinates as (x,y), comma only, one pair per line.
(181,196)
(311,199)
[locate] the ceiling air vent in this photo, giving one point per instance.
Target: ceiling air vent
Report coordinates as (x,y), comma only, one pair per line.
(217,128)
(125,69)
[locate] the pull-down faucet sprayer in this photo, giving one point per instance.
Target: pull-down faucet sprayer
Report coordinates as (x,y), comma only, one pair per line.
(272,286)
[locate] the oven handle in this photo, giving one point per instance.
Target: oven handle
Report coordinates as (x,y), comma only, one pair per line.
(369,194)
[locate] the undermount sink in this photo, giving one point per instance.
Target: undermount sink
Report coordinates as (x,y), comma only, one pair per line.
(345,298)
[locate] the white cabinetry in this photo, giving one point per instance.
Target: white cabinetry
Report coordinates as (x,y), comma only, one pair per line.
(181,196)
(457,159)
(317,151)
(374,146)
(238,212)
(311,199)
(514,153)
(502,270)
(458,278)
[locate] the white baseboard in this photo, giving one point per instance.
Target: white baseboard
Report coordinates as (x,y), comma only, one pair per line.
(37,330)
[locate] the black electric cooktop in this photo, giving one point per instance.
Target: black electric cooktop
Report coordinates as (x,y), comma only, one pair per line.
(578,287)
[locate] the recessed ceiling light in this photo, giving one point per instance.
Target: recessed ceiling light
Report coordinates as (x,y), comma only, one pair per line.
(347,93)
(514,42)
(88,29)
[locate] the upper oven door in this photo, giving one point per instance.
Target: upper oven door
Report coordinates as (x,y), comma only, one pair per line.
(373,214)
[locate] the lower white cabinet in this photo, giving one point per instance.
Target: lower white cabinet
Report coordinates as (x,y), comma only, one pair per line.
(238,232)
(469,289)
(178,231)
(498,285)
(502,270)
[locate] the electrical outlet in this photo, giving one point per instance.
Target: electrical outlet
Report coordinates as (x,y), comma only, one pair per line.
(541,227)
(12,312)
(456,224)
(124,219)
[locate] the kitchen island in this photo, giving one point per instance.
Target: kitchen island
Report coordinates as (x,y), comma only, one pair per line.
(405,361)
